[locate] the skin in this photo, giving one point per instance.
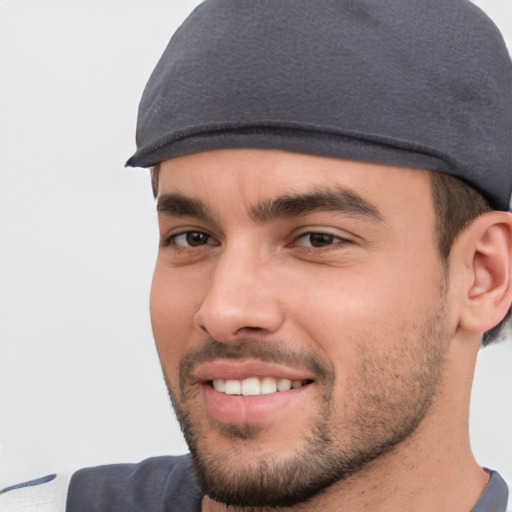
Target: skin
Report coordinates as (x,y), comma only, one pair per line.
(385,332)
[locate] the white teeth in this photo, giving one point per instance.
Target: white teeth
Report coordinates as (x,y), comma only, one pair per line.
(232,387)
(284,385)
(254,386)
(251,386)
(268,385)
(219,385)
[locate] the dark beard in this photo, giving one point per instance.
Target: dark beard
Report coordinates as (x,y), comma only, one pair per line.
(271,483)
(330,454)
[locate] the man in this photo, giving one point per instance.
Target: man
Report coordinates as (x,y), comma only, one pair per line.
(333,182)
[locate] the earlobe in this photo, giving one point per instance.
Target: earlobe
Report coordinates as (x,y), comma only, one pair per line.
(488,253)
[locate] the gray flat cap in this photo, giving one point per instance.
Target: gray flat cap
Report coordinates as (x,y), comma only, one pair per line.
(416,83)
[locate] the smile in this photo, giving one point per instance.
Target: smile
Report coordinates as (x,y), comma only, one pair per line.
(254,386)
(252,391)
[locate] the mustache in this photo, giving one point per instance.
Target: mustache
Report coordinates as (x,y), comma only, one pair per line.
(247,348)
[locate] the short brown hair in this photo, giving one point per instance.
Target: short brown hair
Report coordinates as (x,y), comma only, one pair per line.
(153,173)
(456,206)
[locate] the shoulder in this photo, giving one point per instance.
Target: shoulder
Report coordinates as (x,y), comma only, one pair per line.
(45,493)
(132,487)
(509,505)
(495,496)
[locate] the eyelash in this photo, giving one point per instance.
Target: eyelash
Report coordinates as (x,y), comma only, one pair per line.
(329,239)
(172,239)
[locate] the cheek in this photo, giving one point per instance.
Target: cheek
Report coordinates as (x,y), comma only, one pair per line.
(383,301)
(173,306)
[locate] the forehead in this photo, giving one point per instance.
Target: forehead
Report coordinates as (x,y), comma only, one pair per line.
(246,177)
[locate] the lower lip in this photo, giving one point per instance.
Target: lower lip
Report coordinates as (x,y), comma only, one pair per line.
(243,410)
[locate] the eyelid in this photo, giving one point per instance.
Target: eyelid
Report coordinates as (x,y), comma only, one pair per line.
(336,242)
(169,239)
(340,234)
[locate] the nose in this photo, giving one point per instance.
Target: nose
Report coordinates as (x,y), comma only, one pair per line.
(241,299)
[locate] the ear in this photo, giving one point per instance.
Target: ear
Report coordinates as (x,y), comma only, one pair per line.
(486,250)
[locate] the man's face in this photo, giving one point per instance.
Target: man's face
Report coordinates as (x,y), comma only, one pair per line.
(316,276)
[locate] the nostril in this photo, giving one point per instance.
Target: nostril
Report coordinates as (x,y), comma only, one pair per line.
(224,319)
(249,328)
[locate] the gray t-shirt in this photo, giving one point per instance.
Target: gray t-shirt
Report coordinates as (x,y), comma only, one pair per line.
(168,483)
(159,484)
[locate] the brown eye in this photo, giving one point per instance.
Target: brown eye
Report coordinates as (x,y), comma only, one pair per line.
(195,238)
(317,240)
(191,239)
(321,239)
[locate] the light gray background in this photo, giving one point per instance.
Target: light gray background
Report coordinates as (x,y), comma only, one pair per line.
(79,379)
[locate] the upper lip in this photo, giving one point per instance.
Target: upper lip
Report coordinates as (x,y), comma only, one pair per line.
(228,369)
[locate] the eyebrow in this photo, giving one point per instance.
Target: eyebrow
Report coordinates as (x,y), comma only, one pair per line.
(339,200)
(179,205)
(287,206)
